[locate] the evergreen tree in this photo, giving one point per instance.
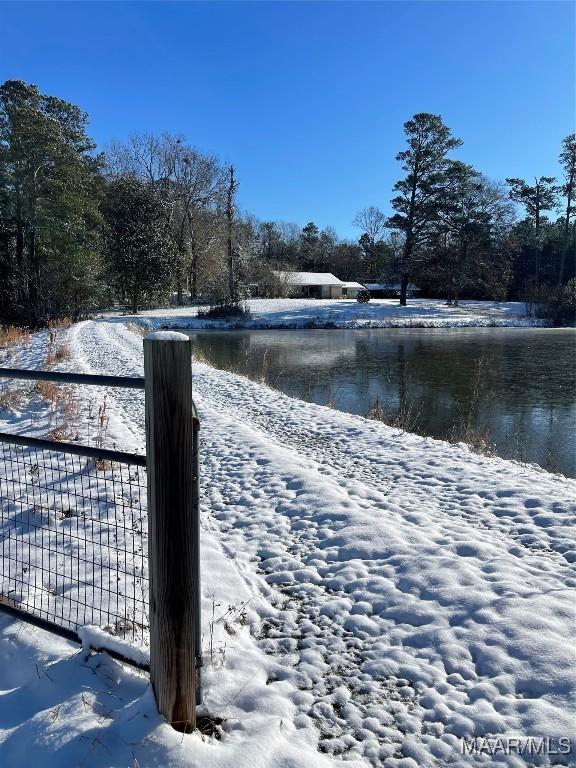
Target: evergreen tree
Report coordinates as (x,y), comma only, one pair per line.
(568,161)
(471,226)
(49,198)
(139,241)
(542,196)
(420,193)
(193,185)
(538,198)
(309,246)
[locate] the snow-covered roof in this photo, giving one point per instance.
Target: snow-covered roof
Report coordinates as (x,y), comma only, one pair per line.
(390,287)
(309,278)
(351,284)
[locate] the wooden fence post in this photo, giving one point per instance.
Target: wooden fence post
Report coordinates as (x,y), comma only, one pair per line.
(173,526)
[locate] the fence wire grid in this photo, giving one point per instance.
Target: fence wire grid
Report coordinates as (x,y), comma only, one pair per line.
(73,536)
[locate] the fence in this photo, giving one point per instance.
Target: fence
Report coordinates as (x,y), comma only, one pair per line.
(76,523)
(74,537)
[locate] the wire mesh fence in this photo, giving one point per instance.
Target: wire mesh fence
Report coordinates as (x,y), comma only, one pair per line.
(73,539)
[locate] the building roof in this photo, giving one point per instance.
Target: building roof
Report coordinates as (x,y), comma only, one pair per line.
(390,287)
(351,284)
(309,278)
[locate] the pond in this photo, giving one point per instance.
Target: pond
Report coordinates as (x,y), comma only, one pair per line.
(507,390)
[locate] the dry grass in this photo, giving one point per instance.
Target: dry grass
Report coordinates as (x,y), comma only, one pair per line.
(11,398)
(65,425)
(263,378)
(62,352)
(64,410)
(70,405)
(199,357)
(377,411)
(57,351)
(141,330)
(64,433)
(50,391)
(407,419)
(479,438)
(330,398)
(63,407)
(12,336)
(61,324)
(56,355)
(102,424)
(58,434)
(468,429)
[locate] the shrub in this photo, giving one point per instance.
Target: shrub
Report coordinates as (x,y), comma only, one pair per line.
(225,311)
(558,305)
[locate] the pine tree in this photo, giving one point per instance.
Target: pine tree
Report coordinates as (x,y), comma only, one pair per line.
(49,198)
(420,192)
(542,196)
(472,222)
(309,245)
(538,198)
(568,162)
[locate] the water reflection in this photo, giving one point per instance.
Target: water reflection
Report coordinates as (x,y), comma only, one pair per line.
(512,388)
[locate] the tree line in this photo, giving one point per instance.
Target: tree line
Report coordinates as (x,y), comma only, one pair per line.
(153,219)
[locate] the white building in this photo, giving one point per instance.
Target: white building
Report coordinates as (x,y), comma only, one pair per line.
(318,285)
(350,289)
(313,285)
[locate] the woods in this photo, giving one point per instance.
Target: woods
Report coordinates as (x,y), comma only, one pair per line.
(153,220)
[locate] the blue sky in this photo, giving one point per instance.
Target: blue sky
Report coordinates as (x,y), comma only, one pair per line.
(308,99)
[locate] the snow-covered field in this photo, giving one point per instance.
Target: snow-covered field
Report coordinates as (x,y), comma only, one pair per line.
(347,313)
(369,596)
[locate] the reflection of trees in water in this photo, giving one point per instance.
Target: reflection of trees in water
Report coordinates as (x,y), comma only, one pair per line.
(552,457)
(473,417)
(540,434)
(228,352)
(508,389)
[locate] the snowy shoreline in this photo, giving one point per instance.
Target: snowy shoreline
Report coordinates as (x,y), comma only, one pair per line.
(375,597)
(278,314)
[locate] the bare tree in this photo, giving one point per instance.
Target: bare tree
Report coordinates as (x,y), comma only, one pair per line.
(373,224)
(231,188)
(190,181)
(371,221)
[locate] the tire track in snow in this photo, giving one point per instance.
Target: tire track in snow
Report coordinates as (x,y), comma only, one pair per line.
(282,549)
(291,611)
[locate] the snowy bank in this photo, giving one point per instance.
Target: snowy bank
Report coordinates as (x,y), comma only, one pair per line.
(347,313)
(368,596)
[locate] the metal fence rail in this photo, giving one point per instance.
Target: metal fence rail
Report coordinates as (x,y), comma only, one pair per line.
(75,522)
(73,536)
(85,379)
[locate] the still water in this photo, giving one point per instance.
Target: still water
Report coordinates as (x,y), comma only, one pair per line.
(511,390)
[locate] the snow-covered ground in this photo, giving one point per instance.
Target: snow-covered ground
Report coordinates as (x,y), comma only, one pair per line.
(347,313)
(369,596)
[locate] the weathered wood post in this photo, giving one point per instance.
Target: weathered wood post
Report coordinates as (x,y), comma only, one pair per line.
(173,526)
